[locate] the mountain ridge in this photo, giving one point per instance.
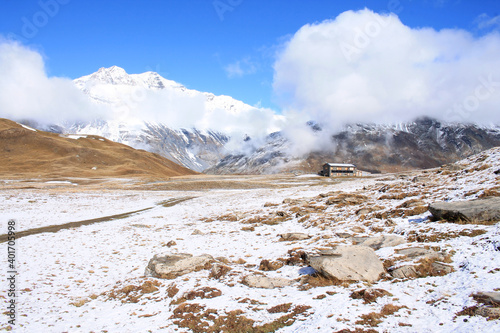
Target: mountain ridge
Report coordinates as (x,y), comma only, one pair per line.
(421,144)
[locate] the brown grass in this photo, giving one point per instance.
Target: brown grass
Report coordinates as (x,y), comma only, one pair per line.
(266,265)
(202,293)
(172,290)
(398,195)
(373,319)
(431,235)
(197,319)
(493,192)
(218,271)
(133,293)
(296,257)
(41,154)
(369,295)
(80,302)
(346,199)
(280,308)
(317,280)
(251,301)
(430,267)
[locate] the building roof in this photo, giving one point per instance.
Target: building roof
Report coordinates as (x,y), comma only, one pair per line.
(341,165)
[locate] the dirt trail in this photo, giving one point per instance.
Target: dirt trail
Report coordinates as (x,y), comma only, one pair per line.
(58,227)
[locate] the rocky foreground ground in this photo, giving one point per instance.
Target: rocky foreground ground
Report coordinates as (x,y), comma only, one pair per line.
(412,252)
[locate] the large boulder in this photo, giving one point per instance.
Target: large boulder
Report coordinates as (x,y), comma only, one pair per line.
(478,210)
(348,263)
(261,281)
(172,266)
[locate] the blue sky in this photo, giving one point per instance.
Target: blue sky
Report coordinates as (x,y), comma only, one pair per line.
(225,47)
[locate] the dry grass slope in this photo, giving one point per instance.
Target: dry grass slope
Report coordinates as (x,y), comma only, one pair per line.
(27,153)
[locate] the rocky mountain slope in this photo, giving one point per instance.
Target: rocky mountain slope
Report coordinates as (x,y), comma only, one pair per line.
(26,152)
(424,143)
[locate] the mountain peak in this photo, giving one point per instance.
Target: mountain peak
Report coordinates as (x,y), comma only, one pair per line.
(112,75)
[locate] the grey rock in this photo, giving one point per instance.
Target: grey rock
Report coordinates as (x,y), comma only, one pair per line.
(347,263)
(405,272)
(364,211)
(487,297)
(420,252)
(478,210)
(261,281)
(172,266)
(441,269)
(294,236)
(197,232)
(380,241)
(488,312)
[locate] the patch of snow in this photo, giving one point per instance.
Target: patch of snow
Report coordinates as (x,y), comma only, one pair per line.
(28,128)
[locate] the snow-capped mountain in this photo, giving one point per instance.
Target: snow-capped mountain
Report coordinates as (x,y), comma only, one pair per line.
(114,86)
(423,143)
(193,148)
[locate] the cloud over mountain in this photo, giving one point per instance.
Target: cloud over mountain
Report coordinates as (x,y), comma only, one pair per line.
(27,92)
(369,67)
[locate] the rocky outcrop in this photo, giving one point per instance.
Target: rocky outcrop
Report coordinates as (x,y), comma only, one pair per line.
(261,281)
(348,263)
(423,143)
(479,210)
(172,266)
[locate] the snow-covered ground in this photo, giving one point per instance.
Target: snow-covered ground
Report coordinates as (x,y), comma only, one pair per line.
(68,281)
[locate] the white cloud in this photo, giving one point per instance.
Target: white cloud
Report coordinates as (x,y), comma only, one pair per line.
(240,68)
(368,67)
(27,92)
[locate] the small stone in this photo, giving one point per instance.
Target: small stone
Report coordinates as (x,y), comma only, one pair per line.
(294,236)
(260,281)
(405,272)
(420,252)
(380,241)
